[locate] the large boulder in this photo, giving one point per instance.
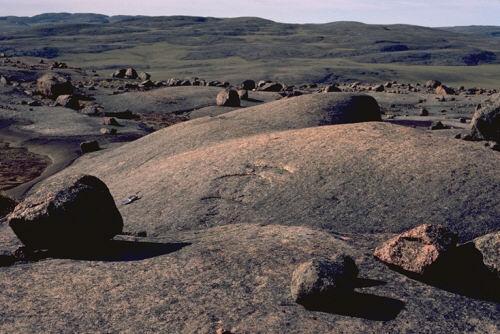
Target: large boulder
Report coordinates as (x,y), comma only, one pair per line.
(228,98)
(52,86)
(7,204)
(323,277)
(353,109)
(248,85)
(489,247)
(417,250)
(75,211)
(486,122)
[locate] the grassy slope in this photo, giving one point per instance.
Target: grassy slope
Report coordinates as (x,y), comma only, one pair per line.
(236,49)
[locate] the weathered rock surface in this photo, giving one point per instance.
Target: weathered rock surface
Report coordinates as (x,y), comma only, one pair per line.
(486,122)
(323,278)
(228,98)
(53,85)
(72,211)
(489,247)
(417,250)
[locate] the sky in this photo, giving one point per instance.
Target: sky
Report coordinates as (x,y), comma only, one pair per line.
(420,12)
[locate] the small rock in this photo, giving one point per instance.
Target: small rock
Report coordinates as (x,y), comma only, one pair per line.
(107,131)
(68,101)
(322,277)
(89,146)
(131,73)
(228,98)
(378,88)
(444,90)
(110,121)
(4,81)
(243,94)
(272,87)
(438,126)
(424,112)
(248,85)
(332,89)
(417,250)
(433,84)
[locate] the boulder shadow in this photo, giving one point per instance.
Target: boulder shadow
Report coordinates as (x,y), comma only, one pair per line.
(118,251)
(358,305)
(462,272)
(253,100)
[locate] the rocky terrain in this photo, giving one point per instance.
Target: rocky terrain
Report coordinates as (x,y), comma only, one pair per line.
(134,202)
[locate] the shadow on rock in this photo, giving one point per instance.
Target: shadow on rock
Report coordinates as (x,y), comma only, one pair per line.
(120,250)
(462,272)
(358,305)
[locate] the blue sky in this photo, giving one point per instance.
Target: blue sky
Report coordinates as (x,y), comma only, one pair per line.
(421,12)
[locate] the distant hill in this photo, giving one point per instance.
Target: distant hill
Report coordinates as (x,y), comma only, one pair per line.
(176,44)
(484,31)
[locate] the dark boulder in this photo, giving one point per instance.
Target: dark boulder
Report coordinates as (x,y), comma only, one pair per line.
(110,121)
(52,86)
(486,122)
(438,126)
(75,211)
(89,146)
(417,250)
(228,98)
(144,76)
(248,85)
(120,74)
(272,87)
(352,108)
(323,277)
